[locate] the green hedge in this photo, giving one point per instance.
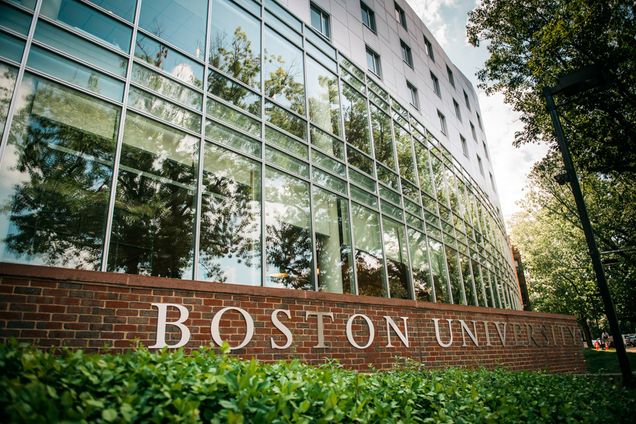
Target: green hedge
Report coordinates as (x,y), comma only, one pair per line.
(140,386)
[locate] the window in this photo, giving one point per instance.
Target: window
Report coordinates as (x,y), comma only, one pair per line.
(481,165)
(466,100)
(287,65)
(407,56)
(464,145)
(451,78)
(472,130)
(485,150)
(429,49)
(436,87)
(442,122)
(479,121)
(368,17)
(320,20)
(373,62)
(458,113)
(492,181)
(400,16)
(415,101)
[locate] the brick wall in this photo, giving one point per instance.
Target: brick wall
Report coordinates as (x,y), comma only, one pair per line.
(105,311)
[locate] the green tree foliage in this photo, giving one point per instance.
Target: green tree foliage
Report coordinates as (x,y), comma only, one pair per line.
(532,42)
(554,250)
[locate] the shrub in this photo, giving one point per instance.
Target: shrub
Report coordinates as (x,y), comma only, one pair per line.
(140,386)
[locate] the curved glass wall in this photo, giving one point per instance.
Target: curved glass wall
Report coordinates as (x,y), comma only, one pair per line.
(224,140)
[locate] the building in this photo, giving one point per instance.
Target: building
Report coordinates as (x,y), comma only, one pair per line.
(355,165)
(307,180)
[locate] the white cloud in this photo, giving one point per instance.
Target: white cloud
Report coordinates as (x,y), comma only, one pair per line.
(510,164)
(431,13)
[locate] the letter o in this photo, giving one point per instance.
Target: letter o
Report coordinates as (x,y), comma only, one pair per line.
(216,320)
(350,333)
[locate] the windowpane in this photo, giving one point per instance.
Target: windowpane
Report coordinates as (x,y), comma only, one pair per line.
(429,49)
(405,154)
(333,242)
(368,251)
(287,232)
(420,266)
(14,19)
(80,48)
(468,279)
(368,17)
(322,94)
(153,222)
(382,138)
(327,143)
(233,117)
(125,9)
(452,261)
(451,78)
(86,19)
(436,88)
(356,124)
(12,47)
(166,86)
(373,62)
(236,43)
(285,120)
(360,161)
(75,73)
(397,262)
(234,93)
(179,22)
(55,176)
(320,20)
(227,137)
(458,112)
(230,246)
(479,286)
(146,102)
(170,61)
(438,270)
(407,56)
(283,72)
(8,75)
(400,16)
(415,101)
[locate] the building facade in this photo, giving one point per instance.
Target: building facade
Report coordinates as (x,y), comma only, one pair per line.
(325,146)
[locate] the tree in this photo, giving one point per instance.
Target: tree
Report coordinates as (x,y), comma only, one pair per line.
(532,42)
(550,237)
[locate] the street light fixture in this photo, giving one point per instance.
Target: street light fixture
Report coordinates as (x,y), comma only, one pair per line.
(570,84)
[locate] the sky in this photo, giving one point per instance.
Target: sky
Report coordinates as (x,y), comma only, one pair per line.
(447,21)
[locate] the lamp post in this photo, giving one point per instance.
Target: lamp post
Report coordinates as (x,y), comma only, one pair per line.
(570,84)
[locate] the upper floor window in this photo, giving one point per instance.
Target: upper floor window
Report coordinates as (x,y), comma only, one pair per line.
(458,113)
(373,62)
(466,100)
(472,130)
(479,121)
(481,165)
(464,145)
(415,101)
(442,122)
(407,55)
(492,181)
(451,79)
(429,49)
(400,16)
(485,150)
(368,17)
(436,87)
(320,20)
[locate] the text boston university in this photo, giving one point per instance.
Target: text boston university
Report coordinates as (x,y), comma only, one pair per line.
(446,330)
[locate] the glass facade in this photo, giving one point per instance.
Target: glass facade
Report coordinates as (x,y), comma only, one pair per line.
(227,141)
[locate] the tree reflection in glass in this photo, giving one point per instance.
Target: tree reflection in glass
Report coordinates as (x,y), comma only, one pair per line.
(322,94)
(8,75)
(283,72)
(287,232)
(230,241)
(235,46)
(153,223)
(438,270)
(368,251)
(55,177)
(356,121)
(333,242)
(452,261)
(420,265)
(382,138)
(468,279)
(397,262)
